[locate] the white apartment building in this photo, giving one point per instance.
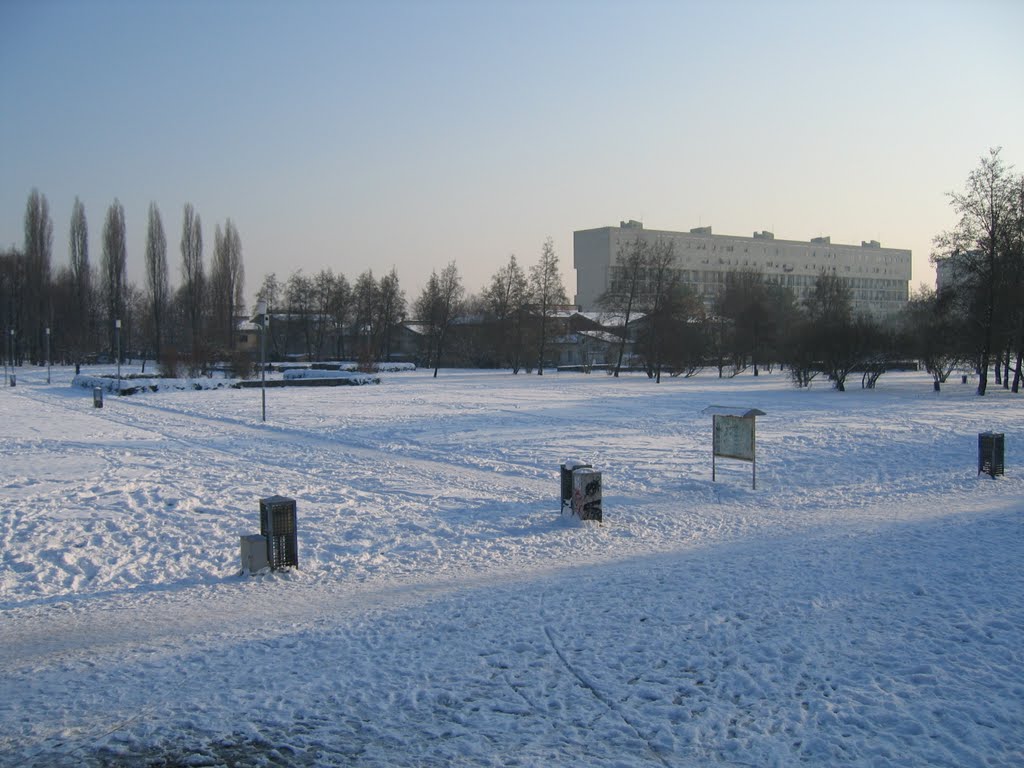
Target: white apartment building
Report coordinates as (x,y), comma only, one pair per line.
(878,278)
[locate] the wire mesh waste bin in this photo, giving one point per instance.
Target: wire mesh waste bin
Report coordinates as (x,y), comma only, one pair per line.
(991,447)
(279,524)
(97,397)
(567,469)
(586,494)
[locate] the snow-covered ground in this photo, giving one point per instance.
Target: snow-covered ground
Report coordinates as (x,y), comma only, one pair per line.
(863,606)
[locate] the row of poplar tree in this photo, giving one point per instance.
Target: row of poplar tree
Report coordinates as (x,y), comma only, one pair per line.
(82,310)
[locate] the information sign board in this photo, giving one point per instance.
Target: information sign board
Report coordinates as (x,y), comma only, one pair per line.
(734,437)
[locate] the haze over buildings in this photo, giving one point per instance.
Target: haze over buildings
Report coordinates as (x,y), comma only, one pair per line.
(370,135)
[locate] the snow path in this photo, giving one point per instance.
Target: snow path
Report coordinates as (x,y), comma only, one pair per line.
(696,658)
(864,606)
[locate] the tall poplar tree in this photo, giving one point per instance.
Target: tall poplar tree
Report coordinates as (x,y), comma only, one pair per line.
(227,280)
(192,274)
(81,311)
(38,251)
(156,276)
(115,258)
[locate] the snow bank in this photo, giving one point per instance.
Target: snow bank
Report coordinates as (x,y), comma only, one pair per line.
(294,374)
(137,384)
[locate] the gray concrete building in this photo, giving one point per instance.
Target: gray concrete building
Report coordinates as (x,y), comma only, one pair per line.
(878,278)
(951,271)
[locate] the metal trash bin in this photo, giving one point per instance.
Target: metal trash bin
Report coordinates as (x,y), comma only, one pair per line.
(991,450)
(14,380)
(567,469)
(278,522)
(97,397)
(586,494)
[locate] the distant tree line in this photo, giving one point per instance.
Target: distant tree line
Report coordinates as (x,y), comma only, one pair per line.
(92,311)
(326,316)
(974,322)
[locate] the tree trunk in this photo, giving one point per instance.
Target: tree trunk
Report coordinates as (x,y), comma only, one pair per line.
(622,341)
(543,338)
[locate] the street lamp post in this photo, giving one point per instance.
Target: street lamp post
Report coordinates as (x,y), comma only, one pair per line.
(261,310)
(117,344)
(47,354)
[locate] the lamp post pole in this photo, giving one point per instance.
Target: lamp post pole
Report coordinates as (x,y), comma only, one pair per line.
(47,354)
(261,310)
(117,343)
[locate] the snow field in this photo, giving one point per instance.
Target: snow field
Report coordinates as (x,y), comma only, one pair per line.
(863,606)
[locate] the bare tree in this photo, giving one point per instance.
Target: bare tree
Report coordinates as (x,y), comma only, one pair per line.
(115,258)
(1017,278)
(227,281)
(341,312)
(270,292)
(193,278)
(157,288)
(979,245)
(662,302)
(323,292)
(507,299)
(624,289)
(829,339)
(746,303)
(81,314)
(298,296)
(38,251)
(438,307)
(932,331)
(390,311)
(12,287)
(547,294)
(365,299)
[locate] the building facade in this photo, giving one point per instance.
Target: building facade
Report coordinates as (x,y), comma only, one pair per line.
(955,270)
(878,278)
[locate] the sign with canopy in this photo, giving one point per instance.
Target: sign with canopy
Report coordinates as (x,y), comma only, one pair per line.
(733,435)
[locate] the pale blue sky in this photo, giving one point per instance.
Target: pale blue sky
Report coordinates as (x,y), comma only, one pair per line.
(408,134)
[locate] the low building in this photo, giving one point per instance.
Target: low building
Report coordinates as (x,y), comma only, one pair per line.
(590,339)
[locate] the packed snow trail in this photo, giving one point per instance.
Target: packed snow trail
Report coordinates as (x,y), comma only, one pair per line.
(899,645)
